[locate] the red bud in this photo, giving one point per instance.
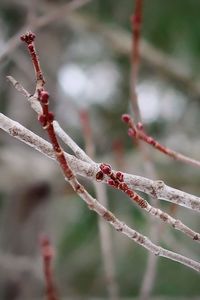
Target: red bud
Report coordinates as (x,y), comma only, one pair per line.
(126,118)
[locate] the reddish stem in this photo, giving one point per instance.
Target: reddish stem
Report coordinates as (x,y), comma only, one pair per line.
(137,131)
(47,256)
(29,38)
(136,22)
(46,119)
(116,179)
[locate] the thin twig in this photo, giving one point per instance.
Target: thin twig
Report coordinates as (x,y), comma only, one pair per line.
(47,256)
(40,22)
(137,131)
(136,21)
(120,41)
(116,179)
(18,131)
(153,188)
(104,230)
(46,119)
(148,164)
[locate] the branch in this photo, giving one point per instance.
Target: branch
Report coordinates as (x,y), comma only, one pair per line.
(155,188)
(116,179)
(137,131)
(46,119)
(47,255)
(18,131)
(41,22)
(120,40)
(136,22)
(101,195)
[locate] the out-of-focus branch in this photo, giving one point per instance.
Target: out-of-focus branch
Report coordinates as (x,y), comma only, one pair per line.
(120,41)
(136,22)
(149,169)
(40,22)
(47,255)
(104,230)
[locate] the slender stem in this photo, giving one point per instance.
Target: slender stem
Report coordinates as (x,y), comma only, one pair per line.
(148,164)
(18,131)
(47,256)
(117,181)
(136,131)
(41,22)
(157,188)
(46,119)
(104,230)
(136,22)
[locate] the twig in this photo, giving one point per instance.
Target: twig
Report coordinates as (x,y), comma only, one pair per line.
(148,164)
(104,230)
(46,119)
(18,131)
(41,22)
(136,21)
(116,179)
(79,153)
(121,42)
(153,188)
(149,277)
(47,256)
(137,131)
(29,38)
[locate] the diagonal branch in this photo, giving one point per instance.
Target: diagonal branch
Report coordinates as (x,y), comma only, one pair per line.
(41,22)
(120,40)
(46,118)
(137,131)
(153,188)
(101,195)
(23,134)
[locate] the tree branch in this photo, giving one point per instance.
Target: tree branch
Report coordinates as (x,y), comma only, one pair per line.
(153,188)
(120,40)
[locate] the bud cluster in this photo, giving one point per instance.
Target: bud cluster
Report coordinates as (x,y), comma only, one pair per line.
(28,37)
(116,179)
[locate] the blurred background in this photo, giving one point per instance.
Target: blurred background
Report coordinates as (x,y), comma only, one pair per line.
(85,56)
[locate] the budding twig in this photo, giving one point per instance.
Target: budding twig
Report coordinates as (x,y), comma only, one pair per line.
(137,131)
(116,179)
(93,204)
(88,170)
(18,131)
(29,38)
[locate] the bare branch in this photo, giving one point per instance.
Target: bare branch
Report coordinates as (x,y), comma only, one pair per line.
(104,230)
(137,131)
(155,188)
(120,40)
(47,255)
(39,23)
(116,180)
(18,131)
